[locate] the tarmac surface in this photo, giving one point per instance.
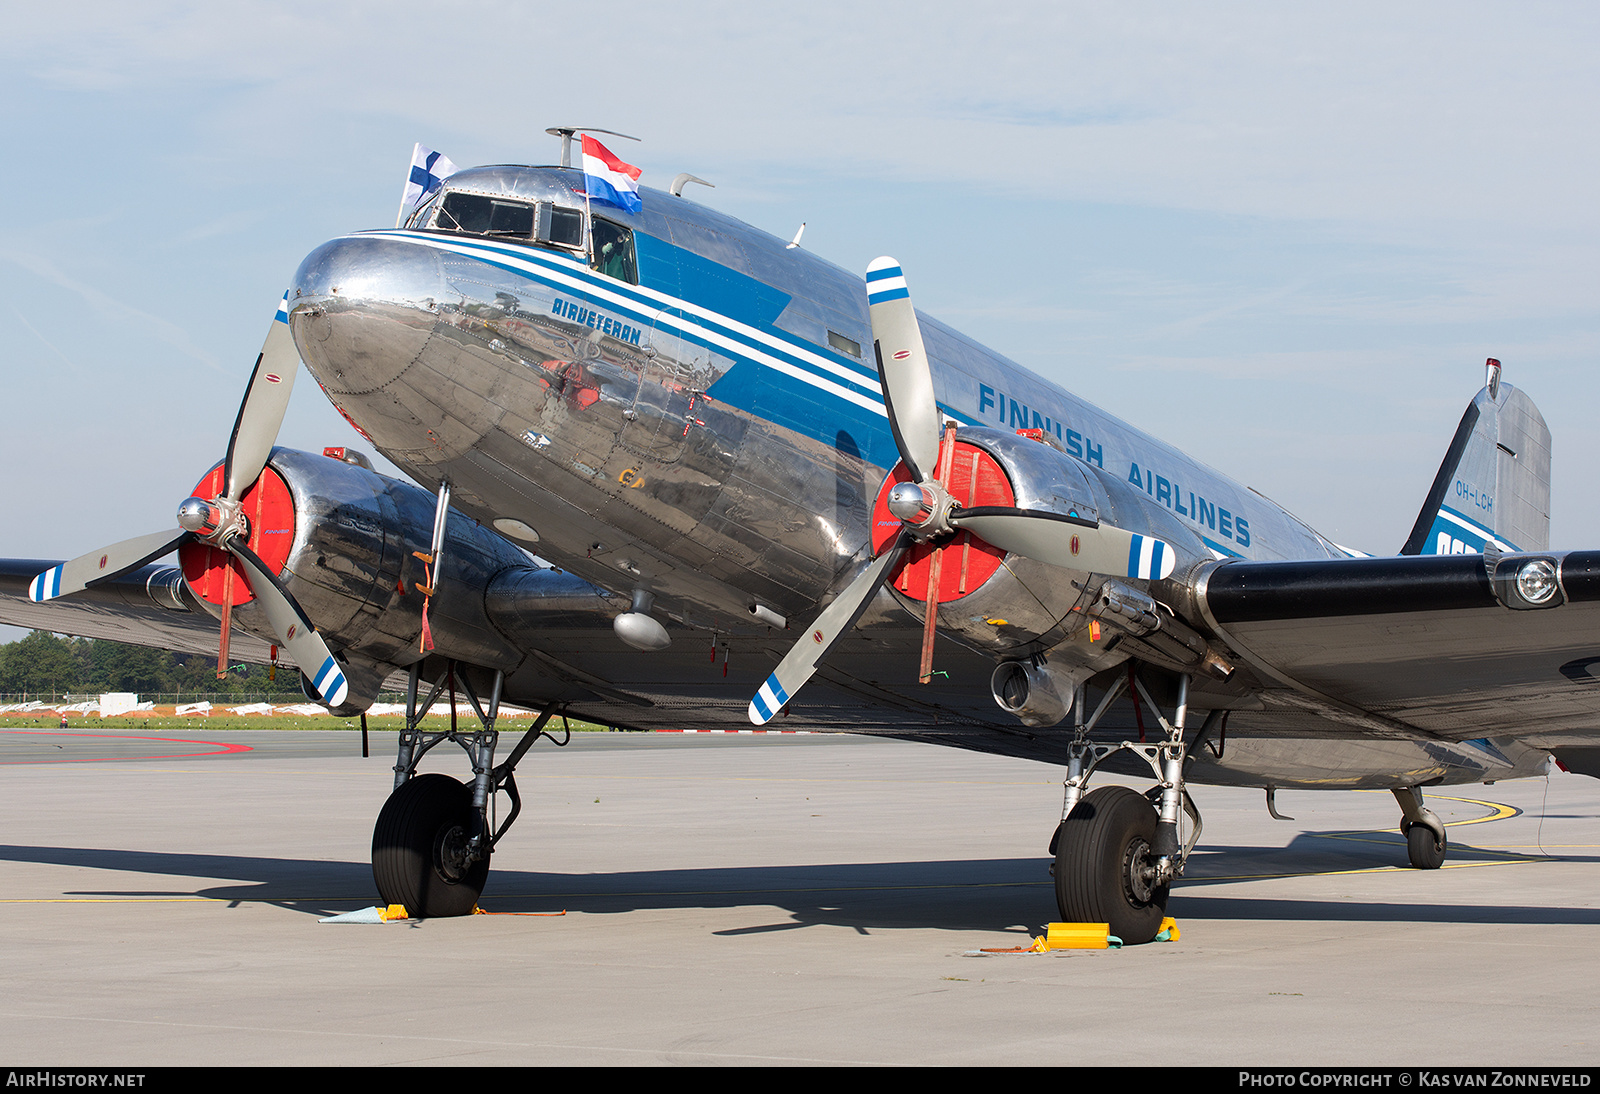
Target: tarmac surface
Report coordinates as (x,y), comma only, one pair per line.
(761,900)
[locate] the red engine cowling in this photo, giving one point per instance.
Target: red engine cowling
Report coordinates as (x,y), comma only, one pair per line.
(342,539)
(1007,605)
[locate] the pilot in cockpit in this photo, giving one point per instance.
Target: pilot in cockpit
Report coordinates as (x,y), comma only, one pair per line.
(613,250)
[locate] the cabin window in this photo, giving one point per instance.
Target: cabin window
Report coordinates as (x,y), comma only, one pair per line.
(843,344)
(613,251)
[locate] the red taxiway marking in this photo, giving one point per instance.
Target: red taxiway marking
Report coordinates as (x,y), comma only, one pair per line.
(219,748)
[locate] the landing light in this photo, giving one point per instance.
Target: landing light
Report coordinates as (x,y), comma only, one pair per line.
(1536,581)
(510,526)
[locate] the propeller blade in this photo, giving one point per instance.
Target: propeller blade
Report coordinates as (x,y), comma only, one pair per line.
(261,412)
(903,368)
(292,627)
(801,661)
(103,565)
(1071,542)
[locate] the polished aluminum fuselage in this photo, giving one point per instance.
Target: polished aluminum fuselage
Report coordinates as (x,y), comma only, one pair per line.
(695,434)
(707,436)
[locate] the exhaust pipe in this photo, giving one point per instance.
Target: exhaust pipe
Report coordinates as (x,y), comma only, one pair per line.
(1033,694)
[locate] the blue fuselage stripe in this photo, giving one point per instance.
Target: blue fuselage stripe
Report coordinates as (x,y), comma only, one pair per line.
(606,292)
(786,383)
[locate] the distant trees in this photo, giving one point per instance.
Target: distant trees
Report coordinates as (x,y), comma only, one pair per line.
(41,662)
(48,664)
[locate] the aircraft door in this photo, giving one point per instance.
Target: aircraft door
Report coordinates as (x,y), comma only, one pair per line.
(670,403)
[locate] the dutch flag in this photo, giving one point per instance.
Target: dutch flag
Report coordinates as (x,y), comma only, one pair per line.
(608,179)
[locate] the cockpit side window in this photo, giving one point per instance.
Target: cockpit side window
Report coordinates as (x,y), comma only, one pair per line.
(562,227)
(613,251)
(422,215)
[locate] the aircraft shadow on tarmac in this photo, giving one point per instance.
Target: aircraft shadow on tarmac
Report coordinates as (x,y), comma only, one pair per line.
(976,894)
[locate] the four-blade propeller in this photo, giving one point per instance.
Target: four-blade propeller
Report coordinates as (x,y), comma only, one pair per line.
(221,523)
(927,511)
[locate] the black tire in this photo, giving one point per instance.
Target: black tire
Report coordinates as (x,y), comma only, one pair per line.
(1426,852)
(419,826)
(1100,849)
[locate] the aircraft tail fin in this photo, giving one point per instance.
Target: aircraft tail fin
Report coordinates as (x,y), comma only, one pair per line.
(1494,483)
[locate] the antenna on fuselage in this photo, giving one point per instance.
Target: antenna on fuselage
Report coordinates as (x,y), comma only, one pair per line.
(682,179)
(566,132)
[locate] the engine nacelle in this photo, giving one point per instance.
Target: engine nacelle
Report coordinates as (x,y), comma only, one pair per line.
(344,540)
(1010,605)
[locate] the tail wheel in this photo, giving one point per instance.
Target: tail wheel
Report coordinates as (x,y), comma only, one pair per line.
(419,849)
(1104,867)
(1426,851)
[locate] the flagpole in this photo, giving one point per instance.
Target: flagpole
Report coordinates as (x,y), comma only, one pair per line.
(588,223)
(588,213)
(400,217)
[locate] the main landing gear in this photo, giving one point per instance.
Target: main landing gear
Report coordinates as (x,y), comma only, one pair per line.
(1426,842)
(1118,851)
(431,845)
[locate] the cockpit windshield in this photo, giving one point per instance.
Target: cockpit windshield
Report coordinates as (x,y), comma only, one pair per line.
(485,216)
(507,218)
(609,246)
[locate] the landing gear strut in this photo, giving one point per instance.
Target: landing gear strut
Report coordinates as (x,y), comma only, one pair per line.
(1426,842)
(431,845)
(1117,852)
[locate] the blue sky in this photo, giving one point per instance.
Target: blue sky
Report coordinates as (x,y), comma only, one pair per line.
(1283,238)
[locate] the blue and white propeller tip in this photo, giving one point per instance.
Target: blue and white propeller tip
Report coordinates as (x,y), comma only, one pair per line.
(885,281)
(1150,558)
(768,701)
(330,683)
(47,586)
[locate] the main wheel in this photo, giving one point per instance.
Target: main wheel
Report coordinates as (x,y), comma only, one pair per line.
(1104,868)
(1426,852)
(419,849)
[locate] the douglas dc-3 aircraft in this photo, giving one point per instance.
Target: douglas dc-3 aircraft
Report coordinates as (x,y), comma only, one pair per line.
(766,485)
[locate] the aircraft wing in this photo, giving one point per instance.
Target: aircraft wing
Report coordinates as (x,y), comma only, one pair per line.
(1447,645)
(572,655)
(148,607)
(1405,648)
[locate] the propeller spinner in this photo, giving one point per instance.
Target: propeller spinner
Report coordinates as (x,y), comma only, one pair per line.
(221,522)
(927,511)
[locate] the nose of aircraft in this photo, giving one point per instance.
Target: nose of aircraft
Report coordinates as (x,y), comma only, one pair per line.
(361,309)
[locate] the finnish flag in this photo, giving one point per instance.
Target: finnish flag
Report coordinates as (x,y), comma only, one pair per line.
(428,170)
